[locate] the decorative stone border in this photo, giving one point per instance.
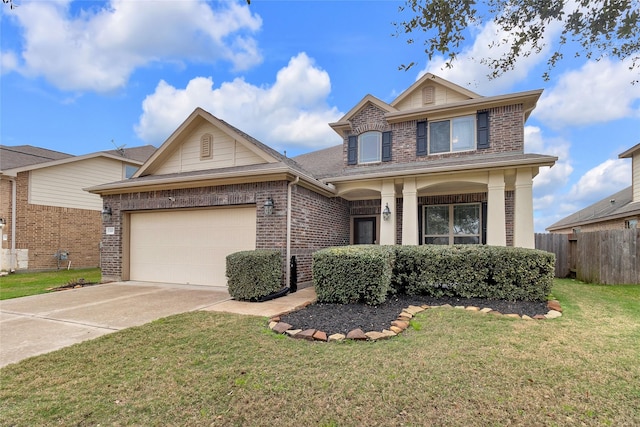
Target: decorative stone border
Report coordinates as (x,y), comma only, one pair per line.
(400,324)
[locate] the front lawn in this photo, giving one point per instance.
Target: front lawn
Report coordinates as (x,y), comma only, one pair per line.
(453,368)
(24,284)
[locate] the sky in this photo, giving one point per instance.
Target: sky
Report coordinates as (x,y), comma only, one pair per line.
(86,76)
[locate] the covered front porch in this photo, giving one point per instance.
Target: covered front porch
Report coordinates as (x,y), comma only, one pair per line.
(493,207)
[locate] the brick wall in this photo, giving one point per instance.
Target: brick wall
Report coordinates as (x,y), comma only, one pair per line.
(44,230)
(614,224)
(506,133)
(317,222)
(270,230)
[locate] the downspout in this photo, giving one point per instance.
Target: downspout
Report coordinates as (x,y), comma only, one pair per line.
(288,260)
(13,261)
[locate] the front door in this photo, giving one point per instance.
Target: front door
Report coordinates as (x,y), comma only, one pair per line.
(364,231)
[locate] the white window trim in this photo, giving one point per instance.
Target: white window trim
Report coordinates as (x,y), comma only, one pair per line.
(450,120)
(379,160)
(451,234)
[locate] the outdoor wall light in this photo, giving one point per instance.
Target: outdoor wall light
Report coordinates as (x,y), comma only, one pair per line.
(268,206)
(106,213)
(2,222)
(386,213)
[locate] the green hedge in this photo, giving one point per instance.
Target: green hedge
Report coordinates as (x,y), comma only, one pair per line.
(254,274)
(492,272)
(369,273)
(351,274)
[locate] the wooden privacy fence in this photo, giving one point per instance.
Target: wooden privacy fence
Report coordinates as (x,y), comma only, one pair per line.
(609,257)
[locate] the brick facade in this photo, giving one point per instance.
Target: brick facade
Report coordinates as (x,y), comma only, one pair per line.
(45,230)
(506,134)
(317,221)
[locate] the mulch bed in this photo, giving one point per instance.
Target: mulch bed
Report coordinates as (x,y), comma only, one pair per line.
(342,318)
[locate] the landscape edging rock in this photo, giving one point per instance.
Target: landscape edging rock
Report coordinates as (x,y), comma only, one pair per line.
(399,325)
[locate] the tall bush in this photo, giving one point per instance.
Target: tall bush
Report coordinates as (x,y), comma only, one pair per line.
(351,274)
(254,274)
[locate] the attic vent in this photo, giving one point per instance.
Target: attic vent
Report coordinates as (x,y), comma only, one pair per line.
(206,146)
(428,95)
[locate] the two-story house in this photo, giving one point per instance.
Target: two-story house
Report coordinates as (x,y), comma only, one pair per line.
(47,220)
(438,165)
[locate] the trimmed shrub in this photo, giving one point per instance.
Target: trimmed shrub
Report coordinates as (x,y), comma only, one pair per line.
(467,271)
(254,274)
(441,270)
(351,274)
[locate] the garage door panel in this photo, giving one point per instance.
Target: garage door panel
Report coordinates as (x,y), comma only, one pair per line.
(188,246)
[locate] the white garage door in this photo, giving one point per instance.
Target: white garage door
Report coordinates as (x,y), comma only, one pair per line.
(188,247)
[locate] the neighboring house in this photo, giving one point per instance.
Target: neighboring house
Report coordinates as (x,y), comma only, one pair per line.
(440,164)
(618,211)
(47,219)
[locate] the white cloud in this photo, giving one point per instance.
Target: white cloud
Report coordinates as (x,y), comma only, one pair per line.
(469,71)
(603,180)
(551,179)
(597,92)
(292,113)
(98,49)
(8,62)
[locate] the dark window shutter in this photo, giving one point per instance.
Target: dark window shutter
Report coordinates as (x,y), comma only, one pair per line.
(483,130)
(386,146)
(421,139)
(352,150)
(484,223)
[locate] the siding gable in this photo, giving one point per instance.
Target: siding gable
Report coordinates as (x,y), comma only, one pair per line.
(430,94)
(225,152)
(62,185)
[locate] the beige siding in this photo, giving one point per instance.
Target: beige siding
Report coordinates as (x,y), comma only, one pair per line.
(226,153)
(63,185)
(636,177)
(443,95)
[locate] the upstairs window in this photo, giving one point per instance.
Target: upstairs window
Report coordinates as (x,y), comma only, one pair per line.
(369,147)
(448,136)
(466,133)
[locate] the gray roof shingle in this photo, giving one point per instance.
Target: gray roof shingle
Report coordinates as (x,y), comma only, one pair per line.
(19,156)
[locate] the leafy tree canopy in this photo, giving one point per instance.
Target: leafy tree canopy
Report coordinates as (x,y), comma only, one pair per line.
(587,28)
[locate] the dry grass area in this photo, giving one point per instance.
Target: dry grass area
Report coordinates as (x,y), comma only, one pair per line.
(454,368)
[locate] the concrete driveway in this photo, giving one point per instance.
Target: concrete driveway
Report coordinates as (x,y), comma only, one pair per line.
(42,323)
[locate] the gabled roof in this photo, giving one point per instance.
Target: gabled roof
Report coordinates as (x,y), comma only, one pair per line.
(345,120)
(615,206)
(19,156)
(195,118)
(26,157)
(276,164)
(630,152)
(436,79)
(529,100)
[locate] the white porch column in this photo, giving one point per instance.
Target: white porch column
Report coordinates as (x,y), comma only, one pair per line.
(496,221)
(388,227)
(410,212)
(523,216)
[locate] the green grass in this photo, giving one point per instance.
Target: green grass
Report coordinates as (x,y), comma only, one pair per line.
(24,284)
(452,368)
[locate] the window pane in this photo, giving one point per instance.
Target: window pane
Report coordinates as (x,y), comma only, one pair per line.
(369,147)
(466,219)
(463,133)
(439,137)
(437,220)
(436,240)
(471,240)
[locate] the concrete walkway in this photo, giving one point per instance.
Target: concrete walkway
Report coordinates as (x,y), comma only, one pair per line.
(42,323)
